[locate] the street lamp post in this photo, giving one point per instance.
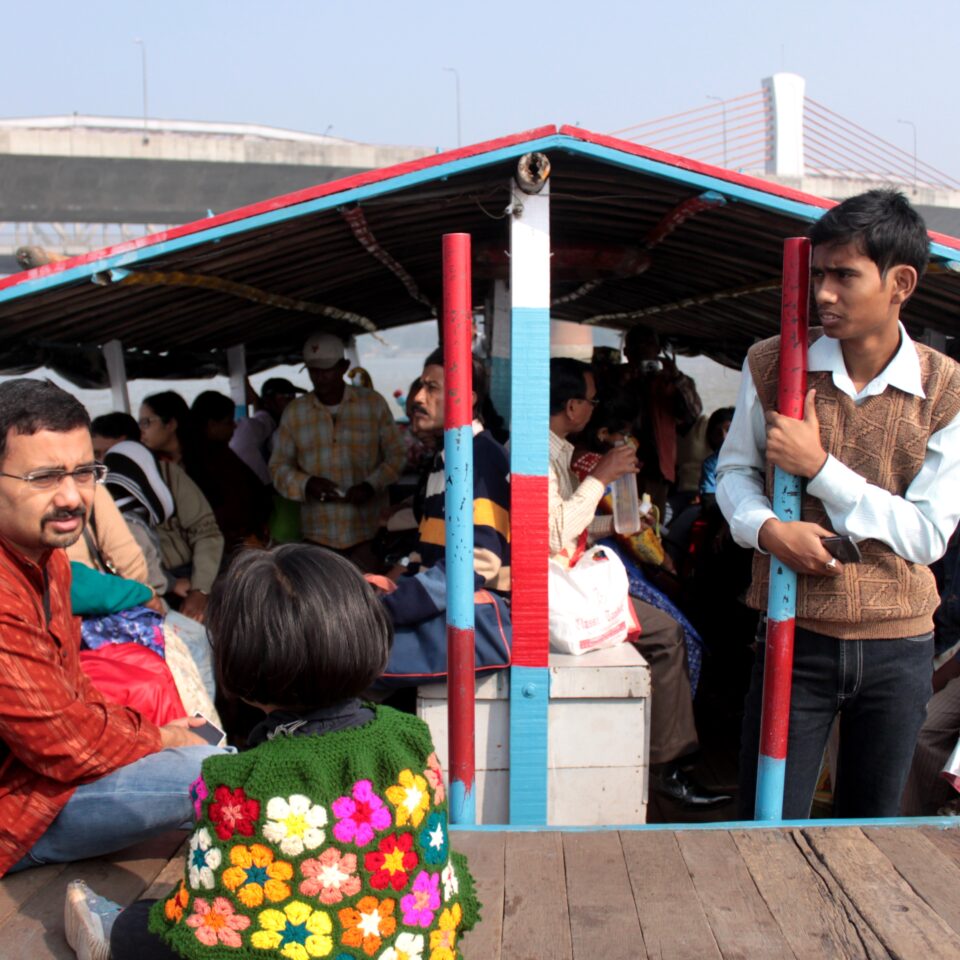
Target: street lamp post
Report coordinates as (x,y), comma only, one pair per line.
(143,65)
(456,76)
(723,104)
(914,127)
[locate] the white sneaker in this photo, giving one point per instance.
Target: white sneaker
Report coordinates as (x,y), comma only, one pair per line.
(88,919)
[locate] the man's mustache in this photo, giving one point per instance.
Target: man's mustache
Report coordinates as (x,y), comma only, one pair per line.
(63,515)
(420,408)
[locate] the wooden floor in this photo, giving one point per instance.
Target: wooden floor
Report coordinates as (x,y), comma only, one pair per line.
(819,892)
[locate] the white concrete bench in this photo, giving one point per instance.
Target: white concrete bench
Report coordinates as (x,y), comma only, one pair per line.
(599,738)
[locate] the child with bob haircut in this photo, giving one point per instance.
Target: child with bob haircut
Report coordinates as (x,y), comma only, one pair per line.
(329,836)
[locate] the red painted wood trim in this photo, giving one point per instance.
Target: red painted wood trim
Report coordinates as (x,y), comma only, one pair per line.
(529,550)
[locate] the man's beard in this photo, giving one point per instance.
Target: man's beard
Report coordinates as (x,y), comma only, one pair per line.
(50,538)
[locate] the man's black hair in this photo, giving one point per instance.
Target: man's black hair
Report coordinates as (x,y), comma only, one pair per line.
(616,414)
(480,385)
(296,627)
(718,418)
(28,406)
(568,381)
(115,426)
(883,224)
(211,405)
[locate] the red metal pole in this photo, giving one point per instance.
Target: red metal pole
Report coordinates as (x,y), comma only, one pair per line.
(458,468)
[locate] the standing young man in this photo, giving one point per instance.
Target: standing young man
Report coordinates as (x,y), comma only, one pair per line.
(79,776)
(879,450)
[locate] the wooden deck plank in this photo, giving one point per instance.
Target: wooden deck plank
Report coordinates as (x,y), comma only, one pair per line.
(672,921)
(603,916)
(536,921)
(741,922)
(814,924)
(485,853)
(932,874)
(17,888)
(906,926)
(36,931)
(168,877)
(946,841)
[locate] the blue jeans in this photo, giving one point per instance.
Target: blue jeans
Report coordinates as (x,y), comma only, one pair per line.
(880,689)
(140,800)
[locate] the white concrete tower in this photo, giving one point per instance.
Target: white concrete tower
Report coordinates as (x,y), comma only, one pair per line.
(785,93)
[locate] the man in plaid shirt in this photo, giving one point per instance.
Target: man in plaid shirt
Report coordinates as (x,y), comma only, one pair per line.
(336,452)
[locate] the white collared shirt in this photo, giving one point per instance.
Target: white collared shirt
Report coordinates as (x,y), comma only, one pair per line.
(916,526)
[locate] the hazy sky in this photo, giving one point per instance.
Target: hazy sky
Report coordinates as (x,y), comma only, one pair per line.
(373,71)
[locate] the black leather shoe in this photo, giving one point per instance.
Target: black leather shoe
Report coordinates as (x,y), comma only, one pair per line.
(680,786)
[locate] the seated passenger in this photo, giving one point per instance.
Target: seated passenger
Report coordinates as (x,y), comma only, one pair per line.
(572,505)
(191,543)
(64,744)
(239,499)
(112,428)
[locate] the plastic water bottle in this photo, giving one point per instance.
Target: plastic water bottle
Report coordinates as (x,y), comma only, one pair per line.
(626,504)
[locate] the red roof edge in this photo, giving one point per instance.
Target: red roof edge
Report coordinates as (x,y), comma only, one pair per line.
(285,200)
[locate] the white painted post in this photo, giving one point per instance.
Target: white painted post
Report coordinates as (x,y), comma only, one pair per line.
(785,93)
(237,369)
(117,373)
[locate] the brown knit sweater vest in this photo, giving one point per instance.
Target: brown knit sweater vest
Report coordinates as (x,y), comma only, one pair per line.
(884,439)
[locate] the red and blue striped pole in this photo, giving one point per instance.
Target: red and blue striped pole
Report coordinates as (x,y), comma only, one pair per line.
(787,493)
(458,509)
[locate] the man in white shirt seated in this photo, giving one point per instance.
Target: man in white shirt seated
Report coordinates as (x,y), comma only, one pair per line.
(252,440)
(573,507)
(879,449)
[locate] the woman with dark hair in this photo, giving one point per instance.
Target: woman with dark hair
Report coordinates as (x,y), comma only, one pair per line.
(332,828)
(167,428)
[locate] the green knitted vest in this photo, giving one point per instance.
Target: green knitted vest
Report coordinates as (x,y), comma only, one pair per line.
(323,846)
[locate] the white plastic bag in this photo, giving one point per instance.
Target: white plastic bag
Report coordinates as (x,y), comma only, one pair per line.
(590,606)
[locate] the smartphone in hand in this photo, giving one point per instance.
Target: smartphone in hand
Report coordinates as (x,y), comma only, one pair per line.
(843,548)
(210,732)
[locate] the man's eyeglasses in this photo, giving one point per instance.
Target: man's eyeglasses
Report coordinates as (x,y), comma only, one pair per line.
(51,479)
(593,403)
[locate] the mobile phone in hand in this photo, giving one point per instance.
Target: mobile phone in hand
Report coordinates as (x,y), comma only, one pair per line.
(209,731)
(843,548)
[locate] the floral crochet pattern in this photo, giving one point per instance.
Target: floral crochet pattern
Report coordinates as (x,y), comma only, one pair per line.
(442,941)
(390,864)
(232,811)
(408,946)
(217,922)
(198,793)
(173,908)
(255,875)
(434,776)
(451,885)
(295,824)
(298,932)
(433,839)
(368,923)
(409,795)
(330,877)
(360,815)
(423,901)
(202,859)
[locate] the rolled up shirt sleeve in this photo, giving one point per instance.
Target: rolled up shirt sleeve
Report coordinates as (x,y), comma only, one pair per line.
(741,492)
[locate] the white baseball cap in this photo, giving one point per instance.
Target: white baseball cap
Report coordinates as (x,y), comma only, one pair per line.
(322,351)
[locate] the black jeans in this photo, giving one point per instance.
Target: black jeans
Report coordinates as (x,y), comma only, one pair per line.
(131,940)
(880,688)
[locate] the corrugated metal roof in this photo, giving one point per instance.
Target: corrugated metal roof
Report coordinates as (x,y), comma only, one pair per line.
(637,235)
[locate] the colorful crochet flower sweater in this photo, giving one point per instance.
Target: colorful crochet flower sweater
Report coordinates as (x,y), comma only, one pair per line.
(323,846)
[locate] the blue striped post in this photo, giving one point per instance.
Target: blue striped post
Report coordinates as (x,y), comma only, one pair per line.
(787,493)
(529,464)
(458,513)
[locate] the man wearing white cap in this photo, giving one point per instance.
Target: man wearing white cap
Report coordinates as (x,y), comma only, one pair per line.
(337,450)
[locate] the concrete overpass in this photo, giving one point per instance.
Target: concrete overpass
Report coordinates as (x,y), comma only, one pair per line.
(76,183)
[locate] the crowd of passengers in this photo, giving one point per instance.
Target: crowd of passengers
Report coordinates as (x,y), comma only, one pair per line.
(179,499)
